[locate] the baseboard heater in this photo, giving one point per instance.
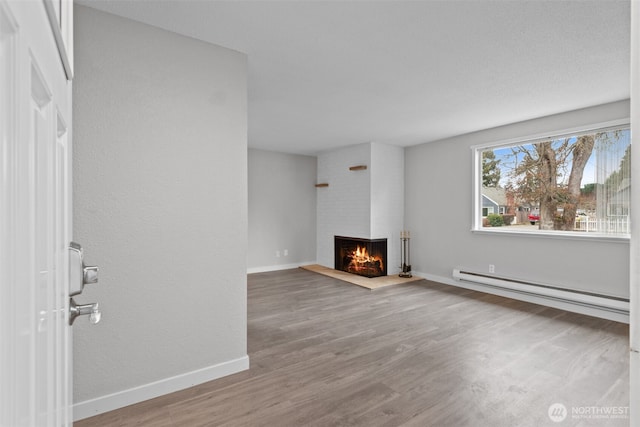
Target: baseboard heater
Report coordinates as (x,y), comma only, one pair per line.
(615,305)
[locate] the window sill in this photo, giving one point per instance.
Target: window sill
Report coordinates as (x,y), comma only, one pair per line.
(563,235)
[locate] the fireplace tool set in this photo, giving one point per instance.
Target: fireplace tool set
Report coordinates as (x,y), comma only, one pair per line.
(405,237)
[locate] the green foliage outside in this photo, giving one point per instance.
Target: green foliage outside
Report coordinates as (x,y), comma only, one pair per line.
(588,189)
(495,220)
(614,180)
(490,169)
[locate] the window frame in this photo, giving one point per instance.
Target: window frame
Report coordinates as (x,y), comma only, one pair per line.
(476,159)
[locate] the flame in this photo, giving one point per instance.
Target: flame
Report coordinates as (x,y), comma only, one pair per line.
(362,261)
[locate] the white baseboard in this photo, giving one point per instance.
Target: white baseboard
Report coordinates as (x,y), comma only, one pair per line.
(123,398)
(541,300)
(278,267)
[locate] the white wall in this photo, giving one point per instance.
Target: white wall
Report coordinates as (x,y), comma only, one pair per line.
(363,203)
(438,213)
(282,210)
(387,199)
(344,207)
(160,189)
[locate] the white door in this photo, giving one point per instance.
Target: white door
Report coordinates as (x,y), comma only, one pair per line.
(35,216)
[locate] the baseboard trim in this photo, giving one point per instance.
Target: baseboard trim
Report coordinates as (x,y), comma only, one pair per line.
(528,297)
(278,267)
(113,401)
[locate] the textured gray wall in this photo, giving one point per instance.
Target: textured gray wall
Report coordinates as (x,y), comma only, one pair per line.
(160,189)
(282,210)
(438,213)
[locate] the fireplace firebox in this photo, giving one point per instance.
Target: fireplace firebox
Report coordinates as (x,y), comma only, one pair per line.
(365,257)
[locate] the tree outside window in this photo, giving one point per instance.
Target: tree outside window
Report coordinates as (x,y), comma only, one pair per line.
(578,182)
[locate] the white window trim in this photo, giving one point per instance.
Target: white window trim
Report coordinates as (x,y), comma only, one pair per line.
(476,167)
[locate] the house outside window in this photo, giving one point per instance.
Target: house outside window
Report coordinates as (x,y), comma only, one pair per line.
(573,183)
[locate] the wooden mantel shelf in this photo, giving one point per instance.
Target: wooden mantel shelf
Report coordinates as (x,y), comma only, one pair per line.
(358,168)
(324,184)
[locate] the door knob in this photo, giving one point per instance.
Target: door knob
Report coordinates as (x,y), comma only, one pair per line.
(75,310)
(79,274)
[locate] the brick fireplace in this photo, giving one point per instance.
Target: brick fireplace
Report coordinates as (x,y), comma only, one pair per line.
(362,196)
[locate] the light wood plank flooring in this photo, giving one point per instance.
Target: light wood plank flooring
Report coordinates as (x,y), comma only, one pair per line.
(372,283)
(327,353)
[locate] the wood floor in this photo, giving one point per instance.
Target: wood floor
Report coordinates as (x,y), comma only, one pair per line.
(327,353)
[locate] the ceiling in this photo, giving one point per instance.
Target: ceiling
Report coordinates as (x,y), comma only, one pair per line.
(326,74)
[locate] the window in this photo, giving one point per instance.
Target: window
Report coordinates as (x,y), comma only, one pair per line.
(577,183)
(487,211)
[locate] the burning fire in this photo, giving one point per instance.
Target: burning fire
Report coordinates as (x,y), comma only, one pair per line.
(362,261)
